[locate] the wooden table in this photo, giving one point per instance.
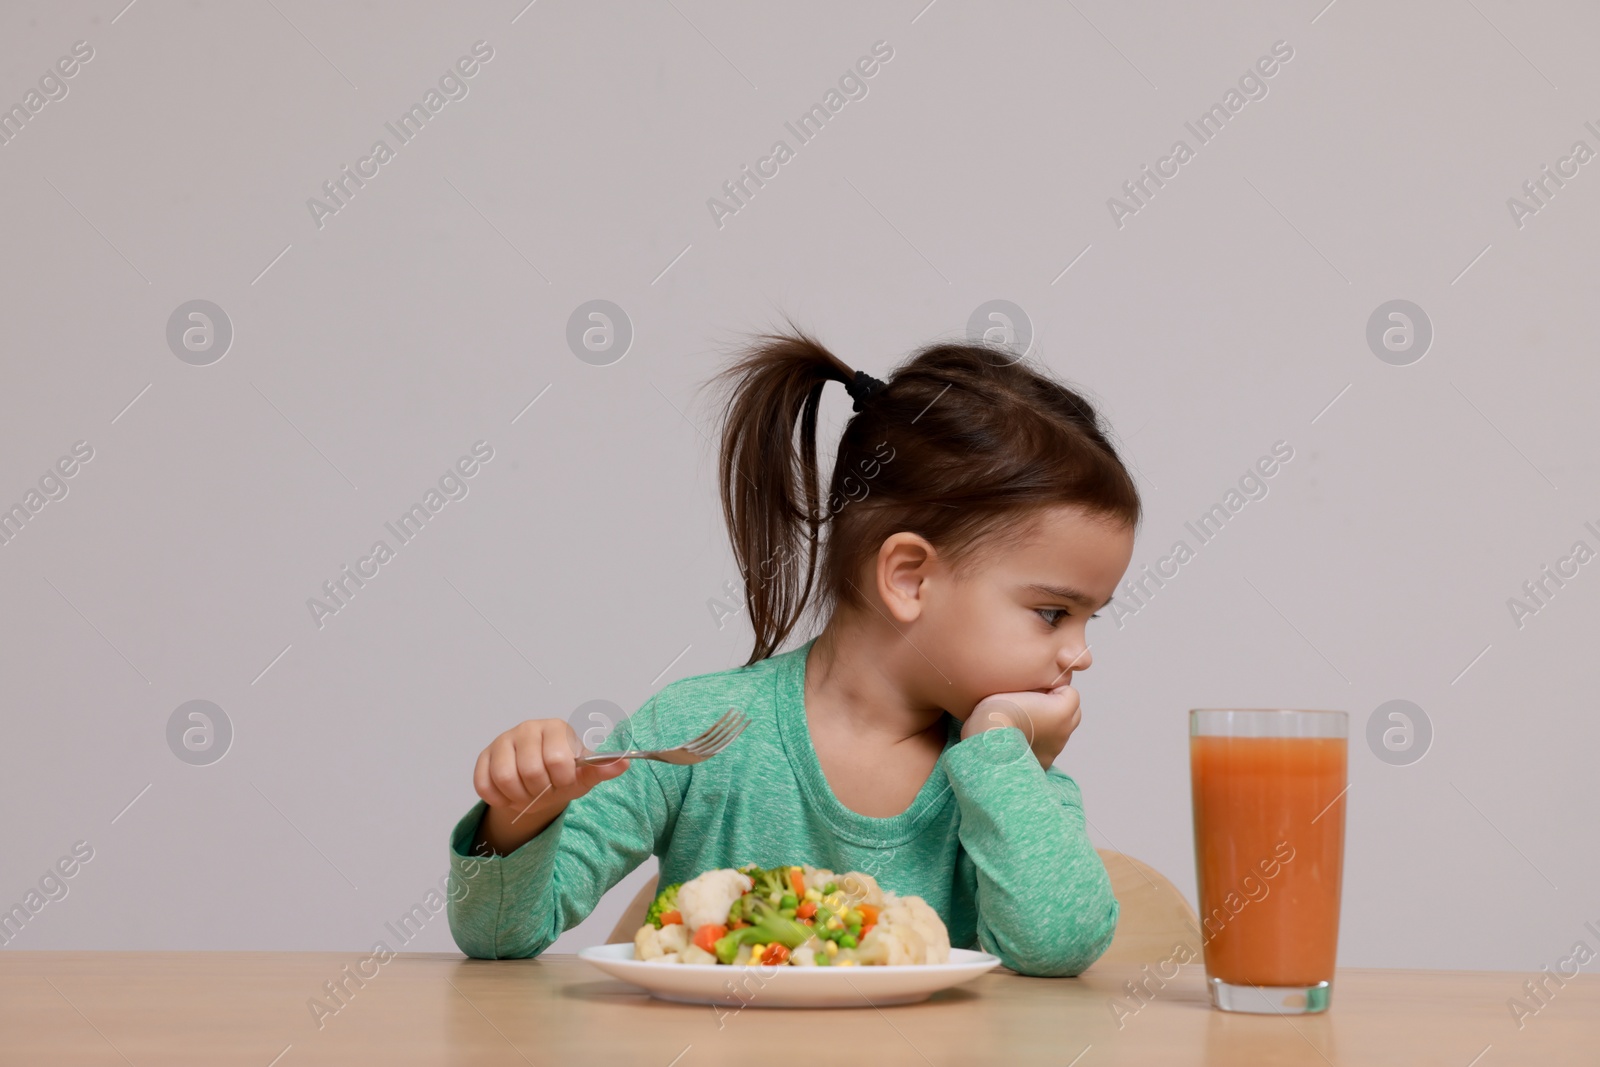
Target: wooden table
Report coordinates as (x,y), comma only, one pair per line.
(251,1008)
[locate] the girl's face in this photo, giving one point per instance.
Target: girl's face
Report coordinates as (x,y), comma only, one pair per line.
(1016,620)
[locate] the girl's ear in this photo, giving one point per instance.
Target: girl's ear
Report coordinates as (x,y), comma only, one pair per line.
(904,564)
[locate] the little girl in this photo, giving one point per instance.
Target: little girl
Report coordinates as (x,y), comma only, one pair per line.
(977,515)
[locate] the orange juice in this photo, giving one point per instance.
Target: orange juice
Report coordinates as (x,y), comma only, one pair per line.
(1269,845)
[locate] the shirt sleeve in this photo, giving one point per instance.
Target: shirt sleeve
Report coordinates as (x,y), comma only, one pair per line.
(515,906)
(1044,900)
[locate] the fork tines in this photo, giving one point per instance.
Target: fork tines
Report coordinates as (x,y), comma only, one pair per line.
(720,735)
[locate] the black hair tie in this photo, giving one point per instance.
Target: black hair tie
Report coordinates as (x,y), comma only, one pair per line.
(861,388)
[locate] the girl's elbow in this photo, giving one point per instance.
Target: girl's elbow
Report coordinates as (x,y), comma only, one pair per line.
(1050,968)
(1078,946)
(489,950)
(481,944)
(1097,938)
(476,947)
(1067,964)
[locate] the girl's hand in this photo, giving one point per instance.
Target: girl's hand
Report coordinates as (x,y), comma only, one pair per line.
(1045,719)
(528,775)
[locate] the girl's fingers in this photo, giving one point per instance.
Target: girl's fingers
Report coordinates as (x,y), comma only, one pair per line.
(505,773)
(1076,707)
(481,782)
(1070,701)
(531,770)
(559,763)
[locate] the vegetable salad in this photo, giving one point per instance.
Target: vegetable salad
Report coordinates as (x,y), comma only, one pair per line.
(799,916)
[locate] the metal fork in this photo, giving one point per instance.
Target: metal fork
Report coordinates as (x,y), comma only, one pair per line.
(702,748)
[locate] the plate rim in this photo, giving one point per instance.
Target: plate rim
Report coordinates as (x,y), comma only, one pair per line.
(592,954)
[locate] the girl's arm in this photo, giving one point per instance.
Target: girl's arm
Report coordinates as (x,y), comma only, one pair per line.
(516,905)
(1043,895)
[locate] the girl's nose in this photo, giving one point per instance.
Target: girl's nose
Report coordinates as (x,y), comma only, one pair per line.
(1074,658)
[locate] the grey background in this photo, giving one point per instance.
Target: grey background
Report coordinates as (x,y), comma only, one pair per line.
(1228,314)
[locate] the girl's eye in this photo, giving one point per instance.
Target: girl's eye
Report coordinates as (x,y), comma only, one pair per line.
(1044,613)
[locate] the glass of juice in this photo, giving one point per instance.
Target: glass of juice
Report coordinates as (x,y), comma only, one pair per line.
(1268,787)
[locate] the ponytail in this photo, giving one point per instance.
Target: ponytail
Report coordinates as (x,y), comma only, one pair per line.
(769,481)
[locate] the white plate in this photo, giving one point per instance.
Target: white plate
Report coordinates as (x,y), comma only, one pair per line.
(786,986)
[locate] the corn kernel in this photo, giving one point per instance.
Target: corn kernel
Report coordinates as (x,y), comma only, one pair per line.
(813,894)
(832,948)
(847,963)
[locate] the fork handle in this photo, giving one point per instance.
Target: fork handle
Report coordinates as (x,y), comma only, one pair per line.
(606,757)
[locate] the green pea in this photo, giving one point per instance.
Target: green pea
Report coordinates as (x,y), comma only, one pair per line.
(847,941)
(831,887)
(790,901)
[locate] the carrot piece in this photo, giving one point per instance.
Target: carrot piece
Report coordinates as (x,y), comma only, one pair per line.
(670,917)
(798,880)
(737,923)
(775,954)
(869,915)
(806,910)
(706,937)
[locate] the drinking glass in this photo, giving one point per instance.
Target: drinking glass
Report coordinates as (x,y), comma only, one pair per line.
(1268,787)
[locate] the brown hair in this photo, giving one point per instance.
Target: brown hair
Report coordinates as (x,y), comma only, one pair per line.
(961,438)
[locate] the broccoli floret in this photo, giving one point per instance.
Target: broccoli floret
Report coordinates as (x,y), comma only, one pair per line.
(666,900)
(770,927)
(770,881)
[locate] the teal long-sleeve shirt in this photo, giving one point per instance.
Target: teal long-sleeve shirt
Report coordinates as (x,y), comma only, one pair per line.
(993,842)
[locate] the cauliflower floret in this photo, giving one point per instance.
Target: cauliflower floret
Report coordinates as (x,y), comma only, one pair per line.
(804,956)
(696,954)
(889,946)
(706,899)
(670,957)
(908,931)
(674,937)
(927,923)
(651,945)
(647,943)
(858,887)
